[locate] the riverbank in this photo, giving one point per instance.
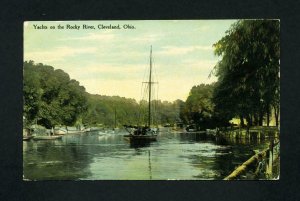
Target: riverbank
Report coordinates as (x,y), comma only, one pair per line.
(270,157)
(256,132)
(263,165)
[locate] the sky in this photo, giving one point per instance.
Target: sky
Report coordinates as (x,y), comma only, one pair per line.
(116,61)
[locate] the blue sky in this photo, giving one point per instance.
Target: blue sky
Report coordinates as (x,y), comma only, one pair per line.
(114,61)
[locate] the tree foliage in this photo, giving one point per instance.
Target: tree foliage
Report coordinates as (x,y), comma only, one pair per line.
(199,108)
(106,110)
(248,73)
(51,97)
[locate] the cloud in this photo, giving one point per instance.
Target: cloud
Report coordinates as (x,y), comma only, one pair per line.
(108,72)
(203,28)
(57,54)
(128,88)
(107,36)
(108,68)
(173,50)
(201,64)
(147,38)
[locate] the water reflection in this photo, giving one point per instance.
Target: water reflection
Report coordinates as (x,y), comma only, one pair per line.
(47,160)
(100,156)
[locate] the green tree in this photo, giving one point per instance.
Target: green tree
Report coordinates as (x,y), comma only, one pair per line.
(31,93)
(50,97)
(199,108)
(249,70)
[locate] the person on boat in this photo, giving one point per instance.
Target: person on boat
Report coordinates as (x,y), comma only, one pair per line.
(145,130)
(138,131)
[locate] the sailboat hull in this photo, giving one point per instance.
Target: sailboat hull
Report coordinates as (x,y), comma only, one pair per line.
(140,137)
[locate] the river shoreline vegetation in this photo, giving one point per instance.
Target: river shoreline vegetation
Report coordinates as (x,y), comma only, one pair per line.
(247,89)
(52,99)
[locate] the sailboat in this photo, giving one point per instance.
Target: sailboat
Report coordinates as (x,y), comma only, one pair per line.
(144,133)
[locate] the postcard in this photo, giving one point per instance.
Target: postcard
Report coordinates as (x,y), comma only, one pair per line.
(151,100)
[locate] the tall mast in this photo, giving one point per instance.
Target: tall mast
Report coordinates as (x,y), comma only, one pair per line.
(150,79)
(115,118)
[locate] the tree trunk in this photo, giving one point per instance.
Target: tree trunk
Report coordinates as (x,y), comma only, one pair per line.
(268,117)
(276,112)
(242,121)
(255,119)
(261,117)
(249,121)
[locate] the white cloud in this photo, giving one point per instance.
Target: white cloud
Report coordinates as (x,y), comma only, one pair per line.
(128,88)
(173,50)
(56,54)
(201,64)
(107,36)
(147,38)
(107,68)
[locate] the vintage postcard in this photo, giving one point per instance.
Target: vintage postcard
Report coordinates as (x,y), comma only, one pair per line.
(151,100)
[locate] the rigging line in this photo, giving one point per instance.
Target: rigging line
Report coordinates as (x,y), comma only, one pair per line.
(157,95)
(145,71)
(142,95)
(140,105)
(144,105)
(155,78)
(153,105)
(155,73)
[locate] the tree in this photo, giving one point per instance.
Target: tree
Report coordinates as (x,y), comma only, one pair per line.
(249,70)
(31,94)
(50,97)
(199,108)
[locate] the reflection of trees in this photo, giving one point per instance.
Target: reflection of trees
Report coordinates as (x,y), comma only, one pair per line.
(239,150)
(219,162)
(194,137)
(45,160)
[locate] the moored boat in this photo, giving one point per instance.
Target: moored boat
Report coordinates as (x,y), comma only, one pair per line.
(27,138)
(60,131)
(141,137)
(140,133)
(144,133)
(51,137)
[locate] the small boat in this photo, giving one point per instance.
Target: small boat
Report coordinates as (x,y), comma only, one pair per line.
(191,128)
(60,131)
(144,133)
(140,133)
(51,137)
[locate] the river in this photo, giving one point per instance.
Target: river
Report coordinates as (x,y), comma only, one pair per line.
(107,156)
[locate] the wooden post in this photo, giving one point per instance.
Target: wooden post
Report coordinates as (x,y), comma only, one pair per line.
(270,166)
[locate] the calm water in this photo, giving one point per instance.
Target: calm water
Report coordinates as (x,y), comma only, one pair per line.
(98,156)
